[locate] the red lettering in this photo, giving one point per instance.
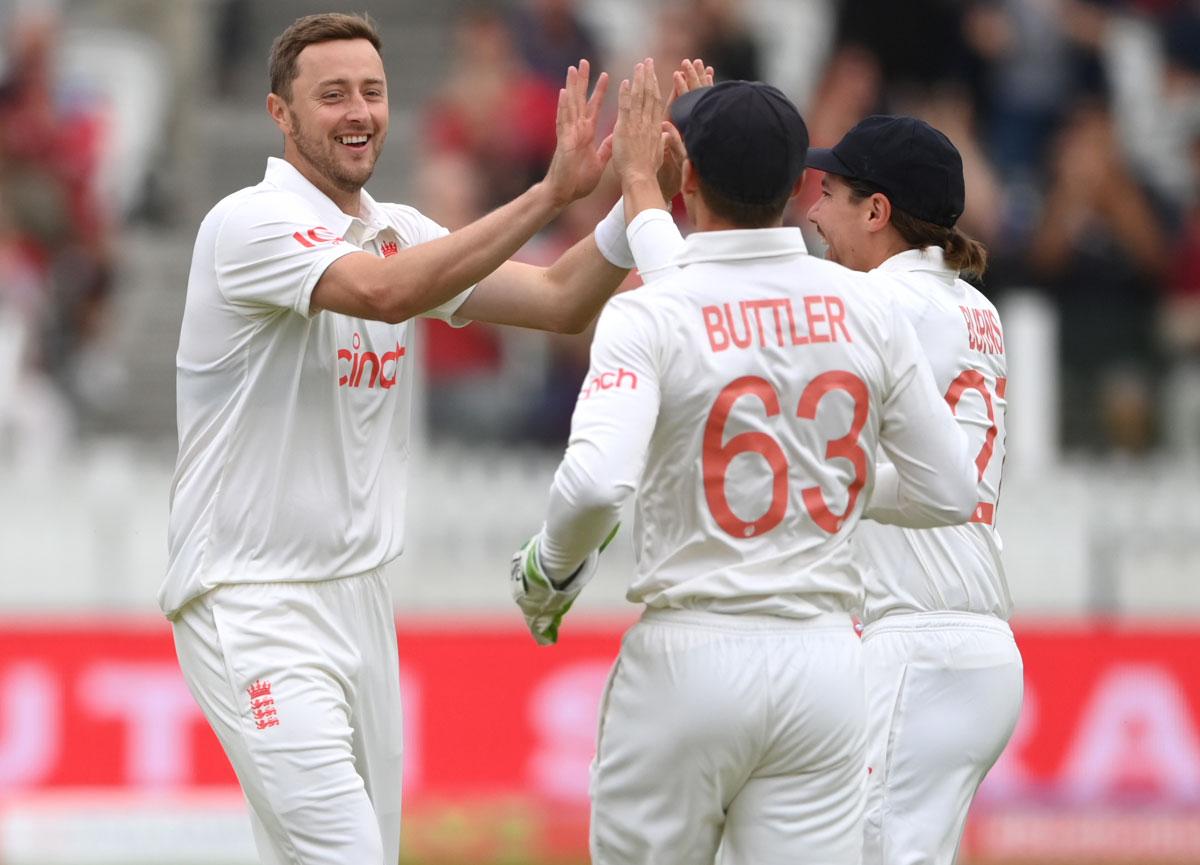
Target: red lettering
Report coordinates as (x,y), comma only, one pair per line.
(385,380)
(971,344)
(715,328)
(757,306)
(997,331)
(344,354)
(813,318)
(984,332)
(362,365)
(321,234)
(837,316)
(609,380)
(742,342)
(776,305)
(797,339)
(722,328)
(980,329)
(313,236)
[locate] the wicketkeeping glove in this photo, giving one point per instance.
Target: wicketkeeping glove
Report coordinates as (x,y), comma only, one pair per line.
(543,602)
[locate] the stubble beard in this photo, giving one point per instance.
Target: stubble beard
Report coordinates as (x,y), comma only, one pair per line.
(318,153)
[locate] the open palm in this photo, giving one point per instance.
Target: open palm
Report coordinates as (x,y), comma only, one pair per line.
(578,162)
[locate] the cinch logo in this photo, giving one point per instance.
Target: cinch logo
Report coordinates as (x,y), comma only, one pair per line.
(389,248)
(608,380)
(313,236)
(359,362)
(262,704)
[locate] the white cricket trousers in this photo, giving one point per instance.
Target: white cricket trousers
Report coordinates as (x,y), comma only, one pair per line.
(742,731)
(301,683)
(943,694)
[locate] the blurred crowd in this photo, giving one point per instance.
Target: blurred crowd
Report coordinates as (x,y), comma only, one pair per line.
(56,242)
(1078,121)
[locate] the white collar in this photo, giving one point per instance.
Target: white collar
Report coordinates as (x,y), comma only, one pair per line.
(931,259)
(740,243)
(286,176)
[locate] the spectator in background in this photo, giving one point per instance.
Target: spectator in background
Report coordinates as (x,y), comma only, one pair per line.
(466,396)
(1100,249)
(1039,57)
(916,44)
(725,41)
(552,36)
(36,422)
(54,238)
(484,135)
(677,32)
(951,110)
(1180,325)
(231,42)
(548,402)
(493,109)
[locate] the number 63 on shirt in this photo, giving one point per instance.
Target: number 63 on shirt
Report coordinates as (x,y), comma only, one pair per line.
(718,453)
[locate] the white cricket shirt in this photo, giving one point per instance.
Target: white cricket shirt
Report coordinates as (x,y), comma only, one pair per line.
(293,426)
(955,568)
(744,395)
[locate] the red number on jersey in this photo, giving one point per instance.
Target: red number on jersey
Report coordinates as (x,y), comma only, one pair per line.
(718,454)
(847,447)
(970,379)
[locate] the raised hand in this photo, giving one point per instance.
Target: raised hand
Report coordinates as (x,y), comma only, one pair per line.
(578,163)
(691,75)
(637,146)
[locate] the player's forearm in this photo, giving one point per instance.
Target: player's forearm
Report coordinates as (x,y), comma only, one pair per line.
(598,474)
(936,480)
(887,505)
(579,283)
(923,499)
(931,480)
(575,527)
(427,275)
(641,191)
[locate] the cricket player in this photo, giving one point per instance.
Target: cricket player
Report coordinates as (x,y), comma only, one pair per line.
(944,677)
(294,387)
(744,395)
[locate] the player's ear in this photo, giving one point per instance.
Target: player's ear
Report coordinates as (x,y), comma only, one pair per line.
(690,179)
(797,185)
(879,212)
(278,110)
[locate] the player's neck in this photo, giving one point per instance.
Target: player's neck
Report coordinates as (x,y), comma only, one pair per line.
(884,246)
(706,220)
(349,202)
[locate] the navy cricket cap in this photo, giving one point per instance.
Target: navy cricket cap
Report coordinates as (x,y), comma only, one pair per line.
(745,138)
(912,163)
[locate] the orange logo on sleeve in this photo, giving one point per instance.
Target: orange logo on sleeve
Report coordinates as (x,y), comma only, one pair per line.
(622,378)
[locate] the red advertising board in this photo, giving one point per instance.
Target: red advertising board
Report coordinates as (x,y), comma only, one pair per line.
(1108,745)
